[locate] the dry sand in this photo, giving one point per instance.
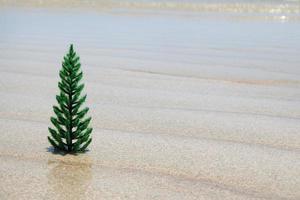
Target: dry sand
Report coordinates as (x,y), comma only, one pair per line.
(179,110)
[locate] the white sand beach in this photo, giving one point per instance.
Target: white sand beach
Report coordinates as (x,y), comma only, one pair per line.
(185,103)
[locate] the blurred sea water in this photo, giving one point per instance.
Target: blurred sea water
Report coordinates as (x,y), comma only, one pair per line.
(183,37)
(260,6)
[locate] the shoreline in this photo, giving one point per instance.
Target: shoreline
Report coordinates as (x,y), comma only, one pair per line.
(281,11)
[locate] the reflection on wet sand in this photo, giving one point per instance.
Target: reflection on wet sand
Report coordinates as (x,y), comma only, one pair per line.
(69,178)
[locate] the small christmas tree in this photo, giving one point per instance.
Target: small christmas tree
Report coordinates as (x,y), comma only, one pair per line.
(72,133)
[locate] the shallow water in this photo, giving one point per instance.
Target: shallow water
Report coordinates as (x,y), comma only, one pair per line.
(172,44)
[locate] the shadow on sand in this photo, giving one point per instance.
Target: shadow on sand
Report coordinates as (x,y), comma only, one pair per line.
(62,153)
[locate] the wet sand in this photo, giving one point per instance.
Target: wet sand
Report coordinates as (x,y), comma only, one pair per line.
(183,107)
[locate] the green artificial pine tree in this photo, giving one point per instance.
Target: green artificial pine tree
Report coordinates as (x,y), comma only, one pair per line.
(72,132)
